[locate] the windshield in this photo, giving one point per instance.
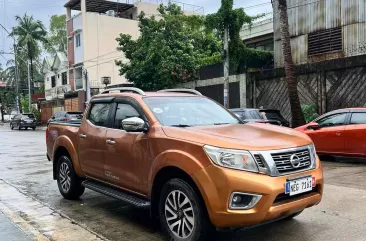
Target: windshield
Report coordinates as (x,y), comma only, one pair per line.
(77,116)
(28,116)
(188,111)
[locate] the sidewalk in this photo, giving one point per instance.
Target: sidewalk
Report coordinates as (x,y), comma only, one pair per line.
(9,231)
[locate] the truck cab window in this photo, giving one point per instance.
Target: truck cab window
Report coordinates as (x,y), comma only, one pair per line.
(124,111)
(99,114)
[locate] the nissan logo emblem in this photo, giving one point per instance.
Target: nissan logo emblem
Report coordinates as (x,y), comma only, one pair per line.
(295,161)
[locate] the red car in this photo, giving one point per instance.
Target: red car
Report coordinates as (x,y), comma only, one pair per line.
(340,132)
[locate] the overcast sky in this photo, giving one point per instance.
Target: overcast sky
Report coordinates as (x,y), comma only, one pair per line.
(44,9)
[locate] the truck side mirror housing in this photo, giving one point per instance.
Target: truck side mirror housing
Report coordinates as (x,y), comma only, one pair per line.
(134,124)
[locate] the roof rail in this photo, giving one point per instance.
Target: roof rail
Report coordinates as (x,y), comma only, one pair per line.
(125,89)
(190,91)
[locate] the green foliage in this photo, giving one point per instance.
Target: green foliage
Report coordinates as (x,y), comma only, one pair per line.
(57,35)
(310,112)
(36,113)
(24,103)
(234,20)
(169,51)
(8,101)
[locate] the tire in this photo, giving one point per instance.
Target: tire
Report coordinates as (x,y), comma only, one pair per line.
(293,215)
(19,127)
(69,184)
(11,127)
(191,217)
(34,128)
(26,128)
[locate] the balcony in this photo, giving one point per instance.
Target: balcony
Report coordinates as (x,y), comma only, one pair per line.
(57,92)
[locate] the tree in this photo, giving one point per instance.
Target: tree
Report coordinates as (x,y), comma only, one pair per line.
(296,112)
(57,35)
(169,51)
(30,33)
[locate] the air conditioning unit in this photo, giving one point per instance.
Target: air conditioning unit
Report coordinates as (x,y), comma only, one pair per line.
(111,13)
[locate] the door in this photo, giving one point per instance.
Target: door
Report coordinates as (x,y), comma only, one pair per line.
(126,152)
(355,135)
(330,137)
(92,140)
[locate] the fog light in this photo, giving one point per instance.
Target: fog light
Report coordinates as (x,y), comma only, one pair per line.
(243,201)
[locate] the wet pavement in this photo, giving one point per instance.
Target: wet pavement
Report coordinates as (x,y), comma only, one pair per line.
(30,199)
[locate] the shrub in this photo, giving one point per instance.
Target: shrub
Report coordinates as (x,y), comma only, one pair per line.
(310,112)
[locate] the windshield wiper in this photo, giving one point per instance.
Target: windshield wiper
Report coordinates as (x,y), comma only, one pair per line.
(181,125)
(219,124)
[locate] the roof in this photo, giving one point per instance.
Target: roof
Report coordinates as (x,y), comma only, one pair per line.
(99,6)
(147,94)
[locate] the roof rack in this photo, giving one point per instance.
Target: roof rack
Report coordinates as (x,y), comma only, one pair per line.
(190,91)
(125,89)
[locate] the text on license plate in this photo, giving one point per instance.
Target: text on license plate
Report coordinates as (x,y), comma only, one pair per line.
(299,186)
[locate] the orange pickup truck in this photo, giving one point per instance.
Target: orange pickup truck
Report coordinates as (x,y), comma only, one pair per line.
(187,159)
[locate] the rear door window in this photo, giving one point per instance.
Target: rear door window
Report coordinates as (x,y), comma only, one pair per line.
(358,118)
(99,113)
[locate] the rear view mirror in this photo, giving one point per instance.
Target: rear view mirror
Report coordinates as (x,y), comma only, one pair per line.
(313,126)
(134,124)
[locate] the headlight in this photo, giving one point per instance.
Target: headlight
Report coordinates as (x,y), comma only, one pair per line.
(312,155)
(234,159)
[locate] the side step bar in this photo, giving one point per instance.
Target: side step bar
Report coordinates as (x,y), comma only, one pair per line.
(116,193)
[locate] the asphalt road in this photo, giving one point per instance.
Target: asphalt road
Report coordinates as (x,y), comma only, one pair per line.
(29,194)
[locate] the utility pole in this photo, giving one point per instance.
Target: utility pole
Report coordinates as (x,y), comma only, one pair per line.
(29,88)
(16,68)
(226,67)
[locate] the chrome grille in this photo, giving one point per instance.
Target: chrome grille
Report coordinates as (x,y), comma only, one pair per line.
(259,160)
(284,165)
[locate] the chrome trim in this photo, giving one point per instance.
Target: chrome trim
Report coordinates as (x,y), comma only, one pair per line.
(256,198)
(271,165)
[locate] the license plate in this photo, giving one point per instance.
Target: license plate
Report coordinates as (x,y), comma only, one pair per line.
(298,186)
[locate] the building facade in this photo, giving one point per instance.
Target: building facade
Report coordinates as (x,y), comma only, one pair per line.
(92,33)
(259,35)
(322,30)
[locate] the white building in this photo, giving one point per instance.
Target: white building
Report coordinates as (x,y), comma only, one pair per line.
(55,76)
(259,35)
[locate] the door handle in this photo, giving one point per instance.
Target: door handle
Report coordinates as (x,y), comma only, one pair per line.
(110,142)
(338,133)
(82,136)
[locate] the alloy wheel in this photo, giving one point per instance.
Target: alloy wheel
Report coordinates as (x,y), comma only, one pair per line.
(179,214)
(65,179)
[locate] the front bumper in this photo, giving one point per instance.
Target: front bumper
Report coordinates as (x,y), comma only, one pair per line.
(30,125)
(217,184)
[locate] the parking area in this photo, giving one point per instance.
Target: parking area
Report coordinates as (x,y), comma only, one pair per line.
(26,176)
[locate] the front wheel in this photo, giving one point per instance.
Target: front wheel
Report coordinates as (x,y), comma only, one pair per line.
(34,128)
(183,216)
(11,126)
(68,182)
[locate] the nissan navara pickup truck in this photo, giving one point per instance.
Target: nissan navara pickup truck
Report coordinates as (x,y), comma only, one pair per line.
(191,162)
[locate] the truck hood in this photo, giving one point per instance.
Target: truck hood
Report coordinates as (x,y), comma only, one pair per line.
(252,137)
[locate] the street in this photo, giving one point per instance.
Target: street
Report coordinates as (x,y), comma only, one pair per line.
(30,198)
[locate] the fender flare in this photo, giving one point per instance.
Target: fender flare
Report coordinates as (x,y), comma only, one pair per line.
(65,142)
(173,158)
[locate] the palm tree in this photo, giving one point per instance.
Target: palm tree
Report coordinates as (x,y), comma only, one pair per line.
(30,33)
(296,112)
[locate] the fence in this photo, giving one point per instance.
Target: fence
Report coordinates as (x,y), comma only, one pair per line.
(329,85)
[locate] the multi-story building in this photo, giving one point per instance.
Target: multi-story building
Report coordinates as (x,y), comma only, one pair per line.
(92,33)
(259,35)
(55,76)
(322,30)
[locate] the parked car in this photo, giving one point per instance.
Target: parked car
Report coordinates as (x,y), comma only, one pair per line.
(23,121)
(274,115)
(187,159)
(252,116)
(341,132)
(66,116)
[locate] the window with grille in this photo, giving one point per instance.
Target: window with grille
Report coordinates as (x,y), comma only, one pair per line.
(325,41)
(64,78)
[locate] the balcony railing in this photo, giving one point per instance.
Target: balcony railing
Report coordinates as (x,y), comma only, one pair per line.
(57,92)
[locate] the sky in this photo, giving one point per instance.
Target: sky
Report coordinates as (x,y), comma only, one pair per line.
(44,9)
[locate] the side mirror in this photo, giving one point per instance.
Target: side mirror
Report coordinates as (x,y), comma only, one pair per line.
(134,124)
(314,126)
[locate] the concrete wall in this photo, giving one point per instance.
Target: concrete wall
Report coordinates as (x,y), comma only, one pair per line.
(100,46)
(257,29)
(241,78)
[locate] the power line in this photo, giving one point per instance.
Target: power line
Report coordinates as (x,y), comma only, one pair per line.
(256,6)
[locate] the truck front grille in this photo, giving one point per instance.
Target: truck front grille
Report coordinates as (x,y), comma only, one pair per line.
(259,160)
(301,160)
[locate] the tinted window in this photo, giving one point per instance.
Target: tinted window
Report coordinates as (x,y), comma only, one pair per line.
(28,115)
(333,120)
(358,118)
(254,115)
(271,115)
(78,116)
(124,111)
(188,111)
(98,114)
